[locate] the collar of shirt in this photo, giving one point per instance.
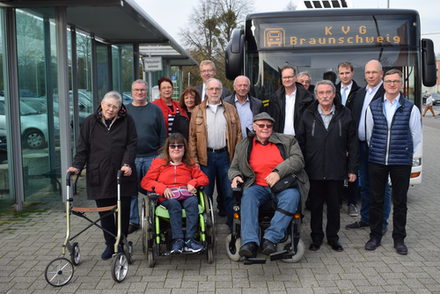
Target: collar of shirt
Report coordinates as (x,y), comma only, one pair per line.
(393,102)
(291,96)
(370,90)
(236,99)
(256,141)
(332,111)
(214,107)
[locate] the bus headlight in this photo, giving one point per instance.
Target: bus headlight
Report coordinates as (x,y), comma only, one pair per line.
(417,161)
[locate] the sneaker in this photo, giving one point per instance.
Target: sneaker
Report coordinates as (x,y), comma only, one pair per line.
(352,210)
(177,246)
(108,252)
(193,246)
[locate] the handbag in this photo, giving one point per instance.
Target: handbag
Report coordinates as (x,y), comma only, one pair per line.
(181,193)
(285,183)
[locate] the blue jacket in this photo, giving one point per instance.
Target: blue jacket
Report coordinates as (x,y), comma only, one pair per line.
(391,146)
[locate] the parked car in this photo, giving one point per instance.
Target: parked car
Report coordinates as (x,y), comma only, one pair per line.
(436,97)
(34,125)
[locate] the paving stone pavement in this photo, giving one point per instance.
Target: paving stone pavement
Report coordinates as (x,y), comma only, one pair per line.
(30,242)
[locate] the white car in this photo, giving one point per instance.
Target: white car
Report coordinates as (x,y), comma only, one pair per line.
(34,124)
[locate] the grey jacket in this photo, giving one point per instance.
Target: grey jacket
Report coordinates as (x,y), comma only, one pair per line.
(256,104)
(293,161)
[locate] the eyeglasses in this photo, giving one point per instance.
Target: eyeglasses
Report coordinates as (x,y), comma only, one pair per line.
(176,146)
(207,70)
(261,126)
(392,82)
(288,77)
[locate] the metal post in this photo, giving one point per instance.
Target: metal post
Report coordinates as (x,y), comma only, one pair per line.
(63,93)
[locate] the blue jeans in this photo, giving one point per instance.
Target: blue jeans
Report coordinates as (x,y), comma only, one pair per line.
(255,196)
(218,166)
(142,166)
(364,185)
(191,206)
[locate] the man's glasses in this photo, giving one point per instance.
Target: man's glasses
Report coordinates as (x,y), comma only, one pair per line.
(261,126)
(176,146)
(392,82)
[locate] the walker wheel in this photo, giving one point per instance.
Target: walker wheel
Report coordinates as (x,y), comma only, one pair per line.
(130,252)
(119,267)
(75,255)
(59,272)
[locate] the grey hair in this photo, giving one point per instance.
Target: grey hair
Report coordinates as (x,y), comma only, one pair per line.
(214,79)
(324,82)
(139,81)
(113,95)
(305,73)
(208,62)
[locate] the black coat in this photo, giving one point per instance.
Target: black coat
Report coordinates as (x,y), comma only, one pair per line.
(350,96)
(356,102)
(277,106)
(103,151)
(325,150)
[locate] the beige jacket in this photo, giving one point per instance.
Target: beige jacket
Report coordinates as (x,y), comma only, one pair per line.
(198,142)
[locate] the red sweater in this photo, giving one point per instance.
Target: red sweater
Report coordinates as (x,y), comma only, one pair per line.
(263,160)
(162,175)
(166,111)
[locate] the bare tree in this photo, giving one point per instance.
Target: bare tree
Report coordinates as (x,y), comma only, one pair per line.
(210,28)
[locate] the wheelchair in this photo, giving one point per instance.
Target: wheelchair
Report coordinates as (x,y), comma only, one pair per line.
(156,228)
(291,249)
(60,270)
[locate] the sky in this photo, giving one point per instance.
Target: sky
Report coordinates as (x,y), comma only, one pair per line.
(173,15)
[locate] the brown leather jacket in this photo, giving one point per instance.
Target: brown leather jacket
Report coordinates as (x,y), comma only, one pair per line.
(198,138)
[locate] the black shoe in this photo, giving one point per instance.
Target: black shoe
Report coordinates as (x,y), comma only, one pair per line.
(400,247)
(372,244)
(108,252)
(314,246)
(132,228)
(357,225)
(336,246)
(268,247)
(248,250)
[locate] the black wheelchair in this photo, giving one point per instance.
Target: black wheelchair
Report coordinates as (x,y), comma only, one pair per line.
(156,228)
(290,249)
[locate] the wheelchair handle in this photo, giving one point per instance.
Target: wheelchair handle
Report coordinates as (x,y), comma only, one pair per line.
(68,175)
(119,175)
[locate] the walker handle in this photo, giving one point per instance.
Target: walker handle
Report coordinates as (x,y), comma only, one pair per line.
(68,175)
(119,175)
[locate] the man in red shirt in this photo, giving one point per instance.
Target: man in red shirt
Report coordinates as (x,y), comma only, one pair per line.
(260,161)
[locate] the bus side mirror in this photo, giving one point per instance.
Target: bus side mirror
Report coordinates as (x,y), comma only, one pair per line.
(429,69)
(234,55)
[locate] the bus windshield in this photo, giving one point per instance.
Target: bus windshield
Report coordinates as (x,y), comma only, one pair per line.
(262,67)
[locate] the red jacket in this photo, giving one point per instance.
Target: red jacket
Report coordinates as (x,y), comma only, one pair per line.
(162,175)
(167,111)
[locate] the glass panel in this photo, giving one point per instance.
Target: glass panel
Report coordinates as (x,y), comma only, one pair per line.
(6,198)
(263,69)
(116,67)
(84,75)
(37,80)
(102,70)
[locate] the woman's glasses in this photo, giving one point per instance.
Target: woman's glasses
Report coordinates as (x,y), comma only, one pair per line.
(178,146)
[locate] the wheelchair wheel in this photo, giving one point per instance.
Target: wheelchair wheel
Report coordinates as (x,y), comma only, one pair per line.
(75,255)
(232,249)
(119,267)
(210,254)
(210,221)
(298,255)
(144,224)
(59,272)
(151,259)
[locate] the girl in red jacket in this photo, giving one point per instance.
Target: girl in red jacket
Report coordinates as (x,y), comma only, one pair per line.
(175,178)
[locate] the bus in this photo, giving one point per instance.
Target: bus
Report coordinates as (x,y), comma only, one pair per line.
(316,41)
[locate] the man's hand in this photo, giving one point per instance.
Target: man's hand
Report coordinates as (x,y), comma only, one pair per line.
(272,178)
(73,170)
(351,178)
(236,181)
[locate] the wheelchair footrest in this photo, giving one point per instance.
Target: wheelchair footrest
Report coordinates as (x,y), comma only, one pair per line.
(284,254)
(254,260)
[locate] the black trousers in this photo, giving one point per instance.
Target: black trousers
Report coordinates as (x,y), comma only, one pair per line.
(109,222)
(400,175)
(325,192)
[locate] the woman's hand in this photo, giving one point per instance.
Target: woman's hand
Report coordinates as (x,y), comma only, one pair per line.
(236,181)
(351,177)
(168,194)
(127,170)
(73,170)
(191,189)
